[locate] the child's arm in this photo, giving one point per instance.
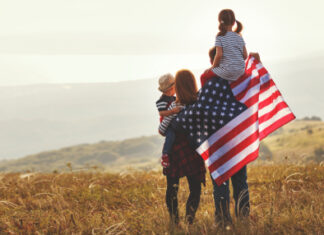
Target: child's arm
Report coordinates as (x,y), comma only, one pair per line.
(245,54)
(170,112)
(218,57)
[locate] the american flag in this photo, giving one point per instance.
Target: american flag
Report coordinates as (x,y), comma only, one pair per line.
(229,120)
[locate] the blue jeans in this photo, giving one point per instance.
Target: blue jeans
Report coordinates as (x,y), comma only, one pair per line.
(169,140)
(240,194)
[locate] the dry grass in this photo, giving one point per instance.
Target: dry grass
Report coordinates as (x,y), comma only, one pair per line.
(284,200)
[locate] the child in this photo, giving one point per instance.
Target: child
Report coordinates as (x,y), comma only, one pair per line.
(166,86)
(229,62)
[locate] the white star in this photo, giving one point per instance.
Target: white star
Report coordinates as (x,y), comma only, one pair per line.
(178,119)
(198,112)
(225,103)
(214,92)
(231,114)
(222,114)
(205,120)
(240,108)
(214,113)
(190,127)
(210,100)
(198,119)
(206,91)
(227,96)
(217,84)
(224,87)
(224,108)
(183,119)
(209,83)
(213,121)
(198,133)
(213,127)
(206,113)
(190,112)
(217,101)
(221,121)
(184,126)
(191,134)
(203,98)
(190,120)
(199,105)
(233,104)
(198,126)
(198,140)
(221,94)
(205,126)
(207,107)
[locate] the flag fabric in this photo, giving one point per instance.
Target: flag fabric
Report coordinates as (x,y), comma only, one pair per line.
(229,120)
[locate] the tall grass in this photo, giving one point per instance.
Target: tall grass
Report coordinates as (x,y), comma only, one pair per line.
(285,199)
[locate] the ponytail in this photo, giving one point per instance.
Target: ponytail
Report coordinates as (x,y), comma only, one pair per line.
(239,27)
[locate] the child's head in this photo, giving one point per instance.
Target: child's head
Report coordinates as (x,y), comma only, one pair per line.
(166,84)
(186,87)
(226,18)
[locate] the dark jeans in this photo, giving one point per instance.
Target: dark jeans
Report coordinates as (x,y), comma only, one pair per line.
(169,140)
(192,202)
(240,194)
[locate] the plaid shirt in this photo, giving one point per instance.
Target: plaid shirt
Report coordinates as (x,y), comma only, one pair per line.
(184,161)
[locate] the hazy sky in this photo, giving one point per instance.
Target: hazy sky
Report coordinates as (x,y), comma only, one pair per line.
(45,41)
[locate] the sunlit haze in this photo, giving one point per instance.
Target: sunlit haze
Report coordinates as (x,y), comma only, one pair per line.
(72,41)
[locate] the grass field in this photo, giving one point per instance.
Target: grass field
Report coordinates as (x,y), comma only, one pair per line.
(285,199)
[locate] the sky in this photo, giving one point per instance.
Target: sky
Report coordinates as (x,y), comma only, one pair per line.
(72,41)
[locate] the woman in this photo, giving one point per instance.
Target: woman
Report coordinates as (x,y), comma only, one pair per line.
(184,161)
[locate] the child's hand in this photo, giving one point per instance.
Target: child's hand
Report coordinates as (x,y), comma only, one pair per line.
(176,109)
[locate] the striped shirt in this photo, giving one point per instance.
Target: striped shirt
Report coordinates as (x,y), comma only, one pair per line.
(232,64)
(167,120)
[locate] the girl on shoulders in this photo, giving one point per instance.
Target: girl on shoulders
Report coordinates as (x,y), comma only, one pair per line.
(229,62)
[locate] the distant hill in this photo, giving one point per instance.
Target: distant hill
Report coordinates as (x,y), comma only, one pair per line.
(37,118)
(298,142)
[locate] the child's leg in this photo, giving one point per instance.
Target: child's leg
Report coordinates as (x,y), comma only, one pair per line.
(169,140)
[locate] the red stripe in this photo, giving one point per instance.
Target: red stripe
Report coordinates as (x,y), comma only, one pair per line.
(277,124)
(234,151)
(248,73)
(230,135)
(273,111)
(251,157)
(269,100)
(253,82)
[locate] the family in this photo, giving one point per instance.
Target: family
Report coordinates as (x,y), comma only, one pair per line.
(179,158)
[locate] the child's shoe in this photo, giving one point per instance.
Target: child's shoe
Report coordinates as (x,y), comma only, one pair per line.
(165,162)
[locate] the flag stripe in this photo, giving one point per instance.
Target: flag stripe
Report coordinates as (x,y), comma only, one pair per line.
(249,158)
(235,124)
(239,147)
(233,161)
(282,121)
(226,143)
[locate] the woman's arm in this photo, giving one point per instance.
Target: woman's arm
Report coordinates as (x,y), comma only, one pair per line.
(218,57)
